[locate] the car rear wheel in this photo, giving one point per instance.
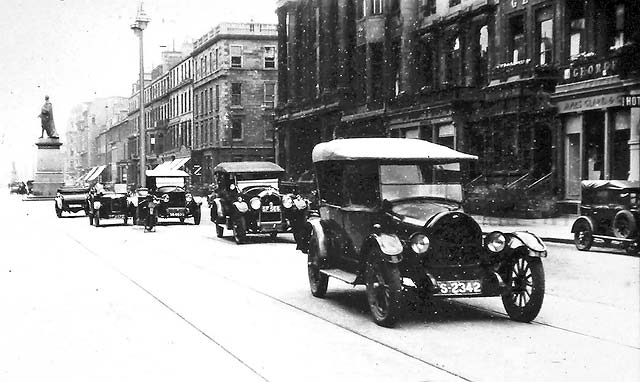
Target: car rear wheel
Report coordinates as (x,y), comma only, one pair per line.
(240,230)
(58,211)
(624,224)
(526,284)
(318,282)
(583,236)
(384,290)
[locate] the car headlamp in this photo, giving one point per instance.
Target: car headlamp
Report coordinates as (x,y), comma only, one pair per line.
(287,202)
(300,203)
(495,242)
(255,203)
(419,243)
(189,198)
(232,187)
(165,198)
(96,205)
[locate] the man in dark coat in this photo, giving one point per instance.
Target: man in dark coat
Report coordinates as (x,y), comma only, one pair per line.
(46,119)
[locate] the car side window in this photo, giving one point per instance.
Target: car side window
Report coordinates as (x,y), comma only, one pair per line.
(330,182)
(361,183)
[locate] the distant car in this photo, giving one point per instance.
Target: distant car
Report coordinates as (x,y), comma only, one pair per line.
(247,200)
(175,201)
(610,214)
(104,204)
(72,199)
(391,219)
(17,188)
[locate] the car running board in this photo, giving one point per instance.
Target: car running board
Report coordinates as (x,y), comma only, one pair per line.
(339,274)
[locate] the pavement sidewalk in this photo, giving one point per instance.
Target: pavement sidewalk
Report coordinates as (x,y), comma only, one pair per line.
(554,230)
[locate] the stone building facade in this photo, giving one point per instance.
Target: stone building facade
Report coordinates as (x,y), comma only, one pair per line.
(481,76)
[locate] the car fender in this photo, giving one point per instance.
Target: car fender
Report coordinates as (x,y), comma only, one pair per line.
(316,227)
(533,243)
(581,219)
(241,207)
(390,246)
(219,208)
(59,201)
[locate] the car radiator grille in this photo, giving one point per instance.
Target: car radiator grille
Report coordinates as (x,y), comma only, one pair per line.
(177,200)
(267,200)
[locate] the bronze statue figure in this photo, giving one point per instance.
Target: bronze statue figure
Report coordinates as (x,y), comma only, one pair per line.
(46,119)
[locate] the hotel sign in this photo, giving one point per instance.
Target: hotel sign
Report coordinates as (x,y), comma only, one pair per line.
(590,70)
(589,103)
(631,101)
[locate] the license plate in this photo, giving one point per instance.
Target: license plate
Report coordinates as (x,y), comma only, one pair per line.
(270,208)
(459,287)
(118,216)
(176,214)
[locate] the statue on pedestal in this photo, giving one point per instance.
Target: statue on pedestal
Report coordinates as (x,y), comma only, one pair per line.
(46,119)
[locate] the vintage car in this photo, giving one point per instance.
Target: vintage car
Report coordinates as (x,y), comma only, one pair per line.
(17,188)
(247,200)
(391,219)
(610,215)
(175,201)
(72,199)
(104,204)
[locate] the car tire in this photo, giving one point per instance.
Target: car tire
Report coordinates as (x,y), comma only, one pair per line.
(384,290)
(583,236)
(273,235)
(150,222)
(90,218)
(219,230)
(58,211)
(526,289)
(181,219)
(125,220)
(197,215)
(318,282)
(96,219)
(624,225)
(632,249)
(240,230)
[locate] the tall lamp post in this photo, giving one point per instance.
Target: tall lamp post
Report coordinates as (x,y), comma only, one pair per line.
(138,27)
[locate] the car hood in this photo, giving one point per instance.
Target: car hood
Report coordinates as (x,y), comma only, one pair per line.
(113,196)
(169,189)
(419,212)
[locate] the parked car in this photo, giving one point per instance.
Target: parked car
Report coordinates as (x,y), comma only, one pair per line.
(72,199)
(175,201)
(17,188)
(610,215)
(247,200)
(104,204)
(391,219)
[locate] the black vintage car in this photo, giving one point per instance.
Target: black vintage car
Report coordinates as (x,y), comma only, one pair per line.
(72,199)
(610,214)
(391,219)
(106,204)
(246,200)
(169,187)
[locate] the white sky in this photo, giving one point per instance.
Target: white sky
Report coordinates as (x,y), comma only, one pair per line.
(78,50)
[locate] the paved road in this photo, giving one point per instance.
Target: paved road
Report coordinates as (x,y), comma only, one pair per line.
(116,304)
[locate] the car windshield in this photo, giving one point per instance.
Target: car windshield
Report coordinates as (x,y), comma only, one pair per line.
(403,181)
(169,181)
(246,180)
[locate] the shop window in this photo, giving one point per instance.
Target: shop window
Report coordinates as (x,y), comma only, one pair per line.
(269,57)
(236,94)
(576,28)
(447,136)
(269,94)
(236,129)
(452,72)
(236,56)
(544,34)
(594,144)
(517,42)
(620,141)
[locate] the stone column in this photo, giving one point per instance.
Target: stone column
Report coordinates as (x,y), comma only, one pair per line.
(409,13)
(292,60)
(634,145)
(282,57)
(49,175)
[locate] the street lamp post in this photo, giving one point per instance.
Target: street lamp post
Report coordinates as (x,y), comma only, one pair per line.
(138,27)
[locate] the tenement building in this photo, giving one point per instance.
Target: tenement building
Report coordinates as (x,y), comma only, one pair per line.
(234,85)
(495,79)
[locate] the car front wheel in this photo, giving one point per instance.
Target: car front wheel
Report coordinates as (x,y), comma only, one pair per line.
(583,236)
(384,290)
(318,282)
(239,230)
(526,289)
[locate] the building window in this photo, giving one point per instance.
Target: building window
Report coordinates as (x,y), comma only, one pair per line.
(236,56)
(453,3)
(269,57)
(376,9)
(452,70)
(517,43)
(360,9)
(545,36)
(576,28)
(269,131)
(616,21)
(377,68)
(269,94)
(217,98)
(216,60)
(236,129)
(428,7)
(236,94)
(483,52)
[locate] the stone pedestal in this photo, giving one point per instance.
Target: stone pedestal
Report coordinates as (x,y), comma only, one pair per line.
(49,168)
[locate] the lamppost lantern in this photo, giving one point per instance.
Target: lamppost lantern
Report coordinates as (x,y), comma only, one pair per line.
(138,26)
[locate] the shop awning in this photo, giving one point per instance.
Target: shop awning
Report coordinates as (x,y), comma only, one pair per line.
(96,173)
(163,165)
(84,177)
(178,163)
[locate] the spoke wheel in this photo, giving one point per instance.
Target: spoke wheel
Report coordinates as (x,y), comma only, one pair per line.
(384,290)
(526,284)
(583,237)
(318,282)
(239,230)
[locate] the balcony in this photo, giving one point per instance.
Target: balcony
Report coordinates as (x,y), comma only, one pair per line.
(523,69)
(254,29)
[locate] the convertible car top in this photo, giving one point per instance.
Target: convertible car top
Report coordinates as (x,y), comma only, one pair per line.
(389,148)
(247,167)
(609,184)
